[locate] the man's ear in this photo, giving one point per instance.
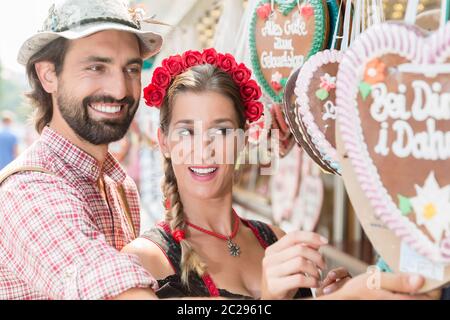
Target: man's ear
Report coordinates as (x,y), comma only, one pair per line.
(163,146)
(46,73)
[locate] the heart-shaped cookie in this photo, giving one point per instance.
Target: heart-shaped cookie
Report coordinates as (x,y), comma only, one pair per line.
(285,137)
(285,185)
(290,108)
(282,39)
(316,98)
(393,101)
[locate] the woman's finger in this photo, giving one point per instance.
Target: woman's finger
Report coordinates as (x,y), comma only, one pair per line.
(297,281)
(295,252)
(327,289)
(334,275)
(401,283)
(297,237)
(298,251)
(294,266)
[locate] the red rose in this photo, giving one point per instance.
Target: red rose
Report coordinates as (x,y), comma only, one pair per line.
(174,65)
(226,62)
(254,110)
(154,96)
(250,91)
(161,78)
(241,74)
(264,11)
(191,58)
(209,56)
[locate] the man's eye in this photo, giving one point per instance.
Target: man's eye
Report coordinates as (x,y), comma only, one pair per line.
(96,68)
(134,70)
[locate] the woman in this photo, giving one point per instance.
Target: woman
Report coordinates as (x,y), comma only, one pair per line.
(203,248)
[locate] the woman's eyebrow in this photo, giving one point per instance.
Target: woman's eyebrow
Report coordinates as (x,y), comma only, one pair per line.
(185,122)
(223,120)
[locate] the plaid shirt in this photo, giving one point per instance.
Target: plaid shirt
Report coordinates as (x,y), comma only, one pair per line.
(59,237)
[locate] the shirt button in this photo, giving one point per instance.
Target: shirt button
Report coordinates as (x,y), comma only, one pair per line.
(70,272)
(93,168)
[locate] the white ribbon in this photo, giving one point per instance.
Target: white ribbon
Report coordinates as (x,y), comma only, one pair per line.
(411,11)
(336,28)
(445,8)
(347,17)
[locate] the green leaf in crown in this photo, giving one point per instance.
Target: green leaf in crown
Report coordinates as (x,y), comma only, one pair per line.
(307,10)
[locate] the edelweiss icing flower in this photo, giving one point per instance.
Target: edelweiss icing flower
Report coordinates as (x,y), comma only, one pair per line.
(432,207)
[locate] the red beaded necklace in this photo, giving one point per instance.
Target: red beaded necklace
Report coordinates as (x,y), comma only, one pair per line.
(233,248)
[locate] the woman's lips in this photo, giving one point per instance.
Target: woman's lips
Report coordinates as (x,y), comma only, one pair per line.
(203,174)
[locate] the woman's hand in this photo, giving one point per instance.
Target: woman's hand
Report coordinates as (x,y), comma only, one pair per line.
(381,286)
(334,280)
(291,263)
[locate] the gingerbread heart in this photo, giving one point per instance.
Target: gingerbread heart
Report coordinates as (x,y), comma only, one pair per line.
(285,185)
(316,98)
(393,101)
(298,131)
(283,40)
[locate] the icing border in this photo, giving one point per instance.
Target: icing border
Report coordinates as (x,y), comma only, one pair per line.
(327,152)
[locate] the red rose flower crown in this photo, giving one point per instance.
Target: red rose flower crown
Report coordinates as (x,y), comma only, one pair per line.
(173,66)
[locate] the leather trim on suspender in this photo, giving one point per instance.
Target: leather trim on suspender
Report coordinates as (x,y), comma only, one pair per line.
(126,208)
(8,172)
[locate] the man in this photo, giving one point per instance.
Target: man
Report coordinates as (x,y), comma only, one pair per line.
(66,205)
(8,141)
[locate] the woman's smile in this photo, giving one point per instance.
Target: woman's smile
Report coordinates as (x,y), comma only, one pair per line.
(203,174)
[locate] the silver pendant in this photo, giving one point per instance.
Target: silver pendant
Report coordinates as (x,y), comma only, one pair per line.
(235,250)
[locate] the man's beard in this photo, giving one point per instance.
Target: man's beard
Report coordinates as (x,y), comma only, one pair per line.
(96,132)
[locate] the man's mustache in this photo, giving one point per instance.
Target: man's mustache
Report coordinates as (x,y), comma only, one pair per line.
(127,101)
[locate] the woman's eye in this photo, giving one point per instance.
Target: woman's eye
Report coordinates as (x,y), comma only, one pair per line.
(184,132)
(221,131)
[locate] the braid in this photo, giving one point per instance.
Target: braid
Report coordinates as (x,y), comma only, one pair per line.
(190,260)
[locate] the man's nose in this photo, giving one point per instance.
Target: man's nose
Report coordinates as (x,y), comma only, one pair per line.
(117,85)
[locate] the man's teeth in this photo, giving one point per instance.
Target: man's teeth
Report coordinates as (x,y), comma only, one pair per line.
(203,171)
(106,109)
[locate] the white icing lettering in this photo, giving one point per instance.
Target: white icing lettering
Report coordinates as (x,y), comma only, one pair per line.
(382,148)
(269,61)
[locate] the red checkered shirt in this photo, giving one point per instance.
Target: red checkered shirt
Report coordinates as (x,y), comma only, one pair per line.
(59,237)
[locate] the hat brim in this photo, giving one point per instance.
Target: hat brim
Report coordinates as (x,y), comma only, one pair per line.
(151,42)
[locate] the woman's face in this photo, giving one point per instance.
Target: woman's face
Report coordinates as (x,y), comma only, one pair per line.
(203,142)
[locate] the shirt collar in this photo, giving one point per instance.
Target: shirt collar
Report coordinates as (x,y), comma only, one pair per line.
(81,161)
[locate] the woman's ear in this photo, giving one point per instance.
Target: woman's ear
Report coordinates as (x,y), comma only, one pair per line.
(163,146)
(47,76)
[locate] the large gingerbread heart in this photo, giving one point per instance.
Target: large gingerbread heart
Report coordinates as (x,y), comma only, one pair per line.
(393,100)
(282,39)
(316,98)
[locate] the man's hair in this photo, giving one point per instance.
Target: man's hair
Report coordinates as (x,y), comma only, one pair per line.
(40,99)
